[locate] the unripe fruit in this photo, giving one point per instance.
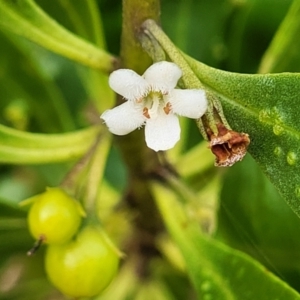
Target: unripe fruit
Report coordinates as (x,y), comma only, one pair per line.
(84,267)
(54,216)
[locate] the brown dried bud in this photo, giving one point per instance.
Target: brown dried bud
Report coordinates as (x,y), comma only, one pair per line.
(228,146)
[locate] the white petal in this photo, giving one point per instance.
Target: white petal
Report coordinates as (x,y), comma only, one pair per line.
(128,84)
(163,132)
(163,76)
(188,103)
(124,118)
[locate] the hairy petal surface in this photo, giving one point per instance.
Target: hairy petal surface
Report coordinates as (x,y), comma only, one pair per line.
(188,103)
(163,132)
(163,76)
(128,84)
(124,118)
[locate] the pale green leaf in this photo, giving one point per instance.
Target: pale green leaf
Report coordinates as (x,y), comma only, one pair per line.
(265,107)
(217,271)
(27,19)
(19,147)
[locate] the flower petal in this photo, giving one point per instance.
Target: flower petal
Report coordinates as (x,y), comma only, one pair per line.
(124,118)
(188,103)
(128,84)
(163,76)
(163,132)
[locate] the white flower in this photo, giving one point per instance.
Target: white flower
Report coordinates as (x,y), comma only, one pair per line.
(153,101)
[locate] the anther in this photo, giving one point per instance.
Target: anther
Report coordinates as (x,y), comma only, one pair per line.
(146,113)
(167,108)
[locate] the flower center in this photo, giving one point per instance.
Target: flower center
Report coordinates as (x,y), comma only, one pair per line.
(154,103)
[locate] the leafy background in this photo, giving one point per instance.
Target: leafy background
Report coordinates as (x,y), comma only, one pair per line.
(44,92)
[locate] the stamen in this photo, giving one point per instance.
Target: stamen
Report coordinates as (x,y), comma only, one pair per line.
(167,108)
(146,112)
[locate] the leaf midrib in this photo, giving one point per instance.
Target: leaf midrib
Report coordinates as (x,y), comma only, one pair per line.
(254,112)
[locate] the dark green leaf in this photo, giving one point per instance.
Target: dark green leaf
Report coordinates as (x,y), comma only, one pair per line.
(265,107)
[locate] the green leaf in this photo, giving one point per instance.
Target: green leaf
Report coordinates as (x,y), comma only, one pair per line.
(84,19)
(265,107)
(80,17)
(217,271)
(27,19)
(251,219)
(19,147)
(283,52)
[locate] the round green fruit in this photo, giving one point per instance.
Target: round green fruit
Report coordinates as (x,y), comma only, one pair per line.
(84,267)
(54,216)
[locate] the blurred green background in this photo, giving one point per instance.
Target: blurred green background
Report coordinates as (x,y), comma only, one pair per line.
(43,92)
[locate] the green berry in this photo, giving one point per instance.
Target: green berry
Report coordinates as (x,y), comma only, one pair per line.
(84,267)
(54,216)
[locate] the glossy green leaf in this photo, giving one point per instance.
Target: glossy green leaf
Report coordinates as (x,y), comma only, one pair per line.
(265,107)
(217,271)
(27,19)
(19,147)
